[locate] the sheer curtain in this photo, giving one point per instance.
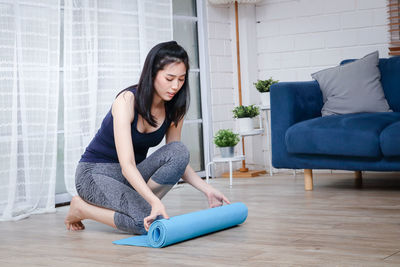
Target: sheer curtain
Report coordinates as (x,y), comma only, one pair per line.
(105,44)
(29,82)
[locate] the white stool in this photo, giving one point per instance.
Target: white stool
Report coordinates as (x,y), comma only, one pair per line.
(220,159)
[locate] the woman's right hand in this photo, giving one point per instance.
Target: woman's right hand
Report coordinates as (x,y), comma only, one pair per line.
(156,209)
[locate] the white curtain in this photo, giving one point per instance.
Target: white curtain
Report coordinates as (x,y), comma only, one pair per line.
(105,44)
(29,82)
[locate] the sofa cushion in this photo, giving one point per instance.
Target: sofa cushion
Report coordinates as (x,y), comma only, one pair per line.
(343,135)
(390,79)
(390,140)
(353,87)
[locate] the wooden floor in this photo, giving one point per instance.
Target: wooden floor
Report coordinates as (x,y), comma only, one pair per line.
(338,224)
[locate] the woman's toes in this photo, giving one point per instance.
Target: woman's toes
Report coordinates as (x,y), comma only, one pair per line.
(81,226)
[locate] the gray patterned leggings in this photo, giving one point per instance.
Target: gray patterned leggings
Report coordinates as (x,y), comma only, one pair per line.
(102,184)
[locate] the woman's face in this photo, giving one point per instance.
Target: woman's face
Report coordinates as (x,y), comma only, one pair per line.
(169,80)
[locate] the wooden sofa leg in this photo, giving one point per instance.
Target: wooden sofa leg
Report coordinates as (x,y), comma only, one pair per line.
(358,174)
(308,180)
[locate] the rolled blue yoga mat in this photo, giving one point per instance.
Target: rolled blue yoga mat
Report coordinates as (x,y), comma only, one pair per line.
(183,227)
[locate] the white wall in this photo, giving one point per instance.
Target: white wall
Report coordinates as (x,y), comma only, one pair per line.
(221,70)
(298,37)
(288,40)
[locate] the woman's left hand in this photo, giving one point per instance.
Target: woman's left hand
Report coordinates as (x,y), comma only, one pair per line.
(216,198)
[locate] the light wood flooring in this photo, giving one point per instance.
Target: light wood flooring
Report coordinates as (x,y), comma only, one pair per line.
(338,224)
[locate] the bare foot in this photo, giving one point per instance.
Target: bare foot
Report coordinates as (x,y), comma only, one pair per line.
(74,218)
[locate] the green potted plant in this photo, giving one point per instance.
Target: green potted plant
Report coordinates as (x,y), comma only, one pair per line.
(244,115)
(226,140)
(263,86)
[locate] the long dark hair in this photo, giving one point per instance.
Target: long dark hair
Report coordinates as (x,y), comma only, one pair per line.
(158,57)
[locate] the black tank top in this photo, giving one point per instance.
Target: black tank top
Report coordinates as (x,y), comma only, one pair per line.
(102,148)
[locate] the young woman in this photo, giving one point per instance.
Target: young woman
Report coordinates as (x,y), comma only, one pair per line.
(117,184)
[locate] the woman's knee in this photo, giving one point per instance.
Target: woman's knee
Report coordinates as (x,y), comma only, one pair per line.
(174,158)
(180,152)
(83,178)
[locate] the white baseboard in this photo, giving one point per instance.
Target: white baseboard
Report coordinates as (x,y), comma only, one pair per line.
(63,198)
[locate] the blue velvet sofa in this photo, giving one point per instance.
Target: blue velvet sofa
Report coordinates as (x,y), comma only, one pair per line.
(302,139)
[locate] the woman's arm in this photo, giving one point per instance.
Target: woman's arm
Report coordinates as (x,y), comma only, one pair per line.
(123,115)
(215,198)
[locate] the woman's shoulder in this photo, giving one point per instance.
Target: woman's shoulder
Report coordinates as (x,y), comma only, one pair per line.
(129,92)
(126,97)
(124,103)
(131,89)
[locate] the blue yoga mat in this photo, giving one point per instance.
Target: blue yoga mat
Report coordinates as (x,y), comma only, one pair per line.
(183,227)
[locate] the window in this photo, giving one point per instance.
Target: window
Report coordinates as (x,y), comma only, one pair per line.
(186,23)
(186,29)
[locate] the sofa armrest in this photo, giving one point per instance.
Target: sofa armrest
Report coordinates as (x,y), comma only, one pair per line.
(291,102)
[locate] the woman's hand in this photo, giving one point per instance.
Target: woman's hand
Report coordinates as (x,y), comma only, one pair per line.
(156,209)
(215,198)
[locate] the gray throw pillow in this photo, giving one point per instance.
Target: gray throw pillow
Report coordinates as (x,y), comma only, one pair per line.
(352,88)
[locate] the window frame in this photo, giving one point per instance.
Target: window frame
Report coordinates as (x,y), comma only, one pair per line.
(204,82)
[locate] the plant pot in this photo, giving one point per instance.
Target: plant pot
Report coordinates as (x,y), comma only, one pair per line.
(245,125)
(227,151)
(265,99)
